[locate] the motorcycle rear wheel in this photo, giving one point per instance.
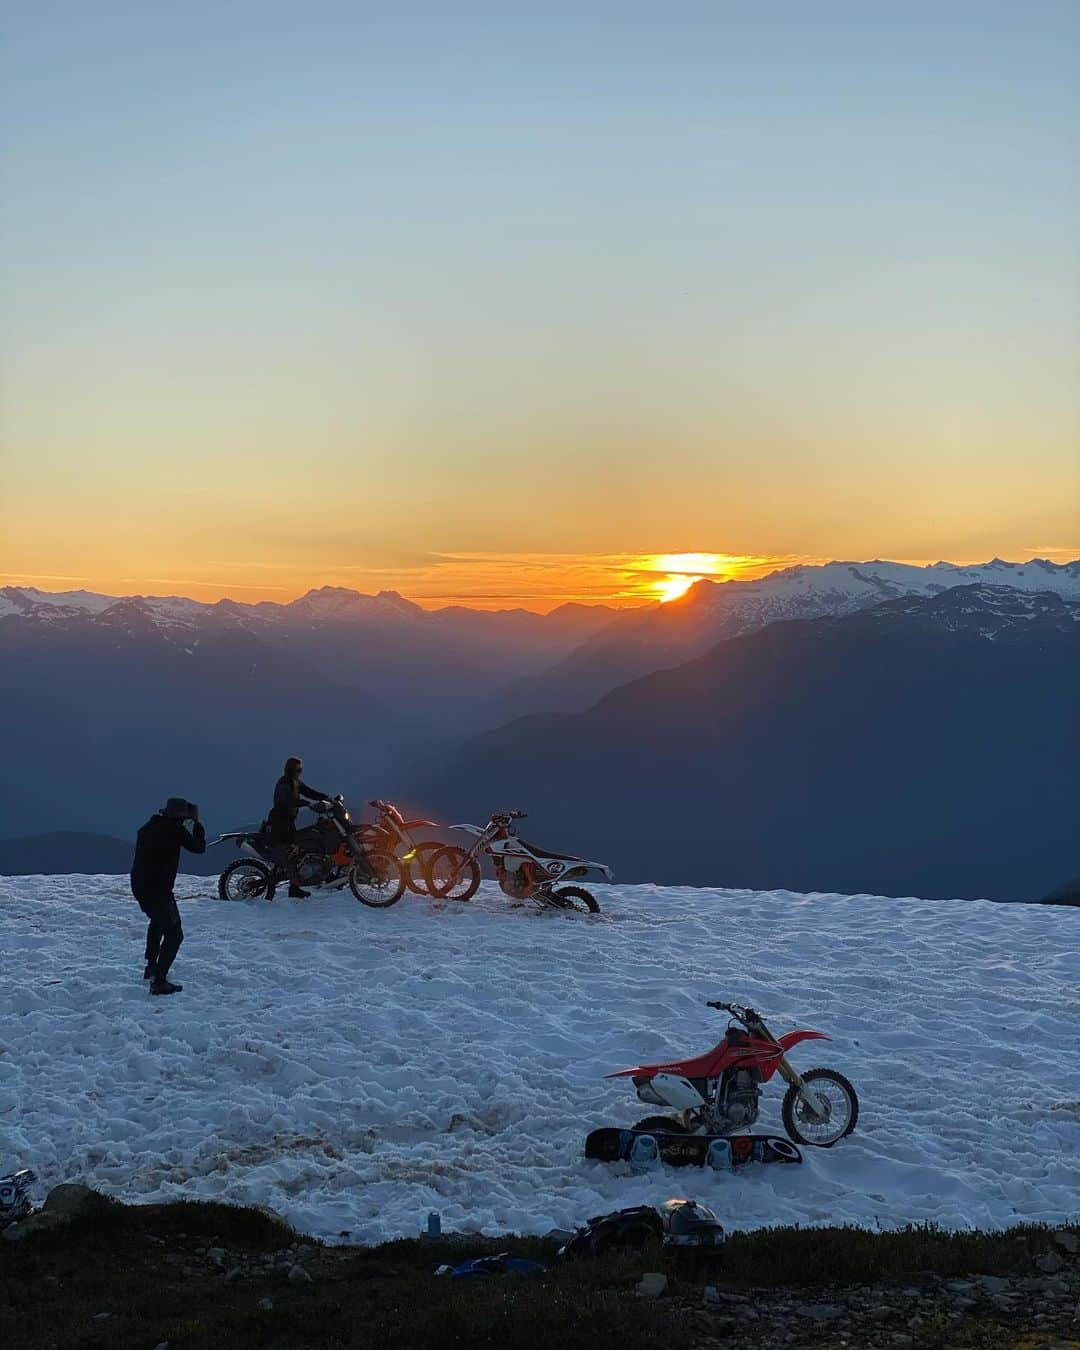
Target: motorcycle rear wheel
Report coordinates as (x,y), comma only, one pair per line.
(660,1125)
(811,1130)
(382,890)
(575,897)
(452,874)
(246,879)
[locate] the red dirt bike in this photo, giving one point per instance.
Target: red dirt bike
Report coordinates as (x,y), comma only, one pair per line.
(719,1092)
(393,834)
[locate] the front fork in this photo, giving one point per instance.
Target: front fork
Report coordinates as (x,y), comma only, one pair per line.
(794,1079)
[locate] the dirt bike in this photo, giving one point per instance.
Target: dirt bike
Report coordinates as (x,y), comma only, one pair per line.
(324,856)
(523,871)
(719,1092)
(392,833)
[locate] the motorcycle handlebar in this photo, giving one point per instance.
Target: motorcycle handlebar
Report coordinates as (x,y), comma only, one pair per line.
(736,1009)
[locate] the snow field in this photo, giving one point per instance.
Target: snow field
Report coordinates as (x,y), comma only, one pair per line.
(354,1069)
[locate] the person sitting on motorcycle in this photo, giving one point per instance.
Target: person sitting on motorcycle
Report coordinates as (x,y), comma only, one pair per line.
(289,795)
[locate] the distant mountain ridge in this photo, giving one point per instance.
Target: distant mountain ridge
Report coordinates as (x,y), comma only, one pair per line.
(636,643)
(924,746)
(109,704)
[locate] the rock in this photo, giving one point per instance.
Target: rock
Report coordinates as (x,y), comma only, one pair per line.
(102,1316)
(67,1201)
(711,1295)
(652,1285)
(298,1275)
(1068,1242)
(1049,1263)
(237,1273)
(819,1312)
(994,1284)
(217,1255)
(162,1345)
(266,1304)
(554,1235)
(959,1286)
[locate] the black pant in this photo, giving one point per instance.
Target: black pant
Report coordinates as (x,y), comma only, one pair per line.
(284,837)
(165,933)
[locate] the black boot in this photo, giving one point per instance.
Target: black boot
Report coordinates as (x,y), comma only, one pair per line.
(295,893)
(161,985)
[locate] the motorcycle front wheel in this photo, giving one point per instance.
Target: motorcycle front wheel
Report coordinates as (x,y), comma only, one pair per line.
(416,875)
(574,897)
(377,880)
(840,1115)
(246,879)
(452,874)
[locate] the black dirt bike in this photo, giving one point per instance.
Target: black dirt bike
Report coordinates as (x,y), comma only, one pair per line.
(325,856)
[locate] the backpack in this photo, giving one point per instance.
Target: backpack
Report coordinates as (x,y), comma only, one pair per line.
(624,1229)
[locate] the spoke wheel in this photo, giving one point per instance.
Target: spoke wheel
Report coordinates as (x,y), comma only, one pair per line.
(660,1125)
(246,879)
(574,897)
(839,1115)
(378,880)
(452,874)
(417,866)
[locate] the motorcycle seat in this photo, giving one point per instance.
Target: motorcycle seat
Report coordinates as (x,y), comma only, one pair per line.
(547,853)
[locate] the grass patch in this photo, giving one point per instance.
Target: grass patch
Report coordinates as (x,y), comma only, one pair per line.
(147,1267)
(850,1255)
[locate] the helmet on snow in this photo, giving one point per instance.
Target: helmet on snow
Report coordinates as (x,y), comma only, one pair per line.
(689,1224)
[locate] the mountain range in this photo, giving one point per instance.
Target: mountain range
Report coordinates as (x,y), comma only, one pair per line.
(924,746)
(108,704)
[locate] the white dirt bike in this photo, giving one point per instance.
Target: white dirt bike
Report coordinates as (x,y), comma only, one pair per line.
(524,871)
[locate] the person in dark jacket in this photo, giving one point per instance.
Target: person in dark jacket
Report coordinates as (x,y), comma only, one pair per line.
(153,876)
(289,795)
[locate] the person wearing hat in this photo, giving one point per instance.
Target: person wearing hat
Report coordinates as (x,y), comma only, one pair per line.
(289,795)
(153,876)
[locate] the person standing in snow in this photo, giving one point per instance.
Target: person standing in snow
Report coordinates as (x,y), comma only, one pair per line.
(288,792)
(153,876)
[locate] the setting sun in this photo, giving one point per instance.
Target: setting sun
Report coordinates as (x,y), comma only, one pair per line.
(671,588)
(675,573)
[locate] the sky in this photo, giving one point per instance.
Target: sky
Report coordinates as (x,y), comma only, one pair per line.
(501,303)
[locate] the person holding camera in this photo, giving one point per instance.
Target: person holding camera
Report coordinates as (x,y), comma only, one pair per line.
(153,876)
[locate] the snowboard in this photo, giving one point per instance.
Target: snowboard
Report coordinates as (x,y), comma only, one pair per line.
(720,1151)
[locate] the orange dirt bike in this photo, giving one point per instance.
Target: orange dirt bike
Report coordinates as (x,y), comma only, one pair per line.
(523,871)
(326,856)
(393,834)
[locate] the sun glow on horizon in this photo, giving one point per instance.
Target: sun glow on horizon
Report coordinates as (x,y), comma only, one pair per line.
(675,573)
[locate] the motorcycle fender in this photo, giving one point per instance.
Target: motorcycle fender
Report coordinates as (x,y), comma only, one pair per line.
(791,1038)
(673,1090)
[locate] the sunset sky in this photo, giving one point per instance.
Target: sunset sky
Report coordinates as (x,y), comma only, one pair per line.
(506,303)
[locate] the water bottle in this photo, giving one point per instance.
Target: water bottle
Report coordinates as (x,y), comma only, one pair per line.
(643,1153)
(434,1224)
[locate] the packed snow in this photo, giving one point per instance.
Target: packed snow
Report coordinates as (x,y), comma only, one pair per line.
(354,1069)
